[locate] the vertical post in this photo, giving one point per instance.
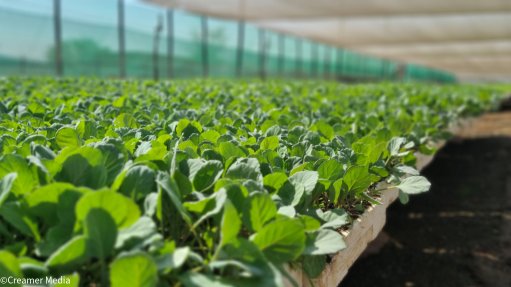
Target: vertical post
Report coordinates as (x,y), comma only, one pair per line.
(240,48)
(156,46)
(314,55)
(205,36)
(328,62)
(299,56)
(170,43)
(281,55)
(121,38)
(339,62)
(58,37)
(262,54)
(384,69)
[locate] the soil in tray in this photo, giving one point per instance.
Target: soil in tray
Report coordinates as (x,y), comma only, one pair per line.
(458,234)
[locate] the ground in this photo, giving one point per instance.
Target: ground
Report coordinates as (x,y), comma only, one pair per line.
(458,234)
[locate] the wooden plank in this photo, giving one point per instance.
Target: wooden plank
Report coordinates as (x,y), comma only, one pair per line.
(364,230)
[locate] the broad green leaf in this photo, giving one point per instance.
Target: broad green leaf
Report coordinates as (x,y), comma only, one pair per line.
(185,128)
(395,145)
(403,197)
(137,182)
(325,129)
(9,266)
(245,168)
(15,214)
(414,184)
(281,240)
(69,256)
(125,121)
(304,180)
(169,188)
(333,218)
(271,143)
(6,185)
(330,169)
(314,265)
(288,211)
(407,170)
(123,210)
(101,232)
(231,223)
(219,199)
(206,175)
(136,269)
(46,201)
(274,181)
(26,178)
(174,260)
(357,179)
(229,150)
(67,137)
(83,166)
(309,223)
(258,210)
(300,184)
(323,242)
(142,229)
(209,135)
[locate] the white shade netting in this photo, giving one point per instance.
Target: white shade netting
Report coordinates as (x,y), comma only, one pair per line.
(460,36)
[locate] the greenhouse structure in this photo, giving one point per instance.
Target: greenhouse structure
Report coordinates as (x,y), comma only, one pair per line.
(169,143)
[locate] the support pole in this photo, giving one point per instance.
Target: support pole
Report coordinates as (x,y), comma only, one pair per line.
(205,36)
(299,56)
(58,37)
(156,46)
(339,62)
(281,55)
(240,48)
(170,43)
(314,55)
(328,62)
(121,38)
(262,54)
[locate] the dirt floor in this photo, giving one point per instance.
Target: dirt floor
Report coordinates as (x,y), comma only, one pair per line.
(458,234)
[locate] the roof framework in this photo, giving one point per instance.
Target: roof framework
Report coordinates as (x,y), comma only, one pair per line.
(467,37)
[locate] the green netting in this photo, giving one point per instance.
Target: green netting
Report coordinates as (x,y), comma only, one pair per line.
(27,40)
(172,44)
(290,65)
(222,48)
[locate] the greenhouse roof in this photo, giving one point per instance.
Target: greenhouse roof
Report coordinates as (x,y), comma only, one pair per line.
(471,38)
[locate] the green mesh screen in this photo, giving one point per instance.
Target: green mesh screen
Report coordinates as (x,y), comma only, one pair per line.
(290,68)
(162,43)
(26,30)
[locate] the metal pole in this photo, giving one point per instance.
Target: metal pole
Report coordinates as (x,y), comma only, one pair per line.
(205,62)
(262,54)
(388,70)
(314,54)
(121,38)
(328,60)
(239,51)
(156,44)
(339,62)
(281,55)
(170,43)
(58,37)
(299,56)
